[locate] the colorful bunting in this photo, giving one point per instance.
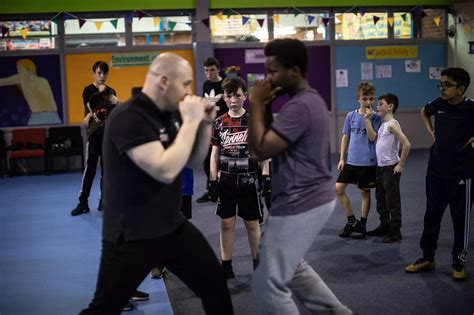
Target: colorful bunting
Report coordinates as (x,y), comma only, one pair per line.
(171,25)
(437,20)
(220,15)
(129,18)
(57,19)
(23,32)
(339,18)
(390,21)
(98,25)
(376,19)
(276,18)
(460,21)
(141,14)
(114,23)
(325,21)
(295,12)
(205,22)
(310,19)
(362,12)
(228,12)
(244,20)
(404,17)
(260,22)
(156,21)
(5,31)
(423,14)
(81,23)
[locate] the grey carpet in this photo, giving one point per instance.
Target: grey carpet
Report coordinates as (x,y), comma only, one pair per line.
(366,275)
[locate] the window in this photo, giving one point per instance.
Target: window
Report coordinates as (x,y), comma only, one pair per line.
(402,25)
(357,26)
(432,25)
(95,32)
(167,30)
(29,35)
(239,28)
(307,27)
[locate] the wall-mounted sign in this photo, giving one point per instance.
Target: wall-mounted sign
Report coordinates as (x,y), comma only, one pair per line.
(391,52)
(255,56)
(133,59)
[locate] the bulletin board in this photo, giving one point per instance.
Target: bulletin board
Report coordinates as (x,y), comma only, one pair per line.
(122,78)
(414,89)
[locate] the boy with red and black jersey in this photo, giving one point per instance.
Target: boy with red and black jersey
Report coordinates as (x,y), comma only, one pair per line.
(233,174)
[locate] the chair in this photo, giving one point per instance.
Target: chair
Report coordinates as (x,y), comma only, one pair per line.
(64,142)
(3,155)
(27,143)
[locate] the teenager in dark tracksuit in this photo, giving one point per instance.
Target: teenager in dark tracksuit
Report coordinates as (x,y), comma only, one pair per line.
(450,170)
(94,132)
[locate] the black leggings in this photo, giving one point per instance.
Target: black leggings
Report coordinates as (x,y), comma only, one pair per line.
(185,252)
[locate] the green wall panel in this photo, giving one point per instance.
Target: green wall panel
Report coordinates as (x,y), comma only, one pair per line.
(44,6)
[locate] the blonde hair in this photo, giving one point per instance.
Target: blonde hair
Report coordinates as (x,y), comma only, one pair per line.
(27,64)
(365,88)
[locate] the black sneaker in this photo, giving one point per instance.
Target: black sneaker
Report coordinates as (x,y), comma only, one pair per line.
(80,209)
(381,230)
(229,273)
(359,231)
(204,198)
(139,296)
(393,238)
(99,207)
(157,273)
(128,307)
(348,229)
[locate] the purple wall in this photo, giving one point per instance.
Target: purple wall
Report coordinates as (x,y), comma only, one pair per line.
(319,75)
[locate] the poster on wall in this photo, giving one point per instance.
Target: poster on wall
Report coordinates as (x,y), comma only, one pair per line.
(30,89)
(342,78)
(255,56)
(413,65)
(383,71)
(366,71)
(435,73)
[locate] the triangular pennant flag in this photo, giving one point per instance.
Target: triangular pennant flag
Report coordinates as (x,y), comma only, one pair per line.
(23,32)
(57,18)
(141,14)
(390,21)
(220,15)
(437,20)
(325,21)
(310,19)
(252,26)
(376,19)
(362,11)
(276,18)
(244,20)
(460,21)
(67,16)
(5,31)
(205,22)
(228,12)
(188,24)
(260,22)
(339,18)
(404,17)
(156,21)
(98,25)
(114,23)
(423,14)
(171,25)
(467,28)
(81,23)
(296,12)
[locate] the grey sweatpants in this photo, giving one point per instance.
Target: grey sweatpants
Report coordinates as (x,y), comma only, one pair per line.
(282,270)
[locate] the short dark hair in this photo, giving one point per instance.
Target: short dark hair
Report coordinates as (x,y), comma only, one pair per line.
(102,65)
(365,87)
(232,84)
(211,61)
(289,52)
(390,99)
(458,75)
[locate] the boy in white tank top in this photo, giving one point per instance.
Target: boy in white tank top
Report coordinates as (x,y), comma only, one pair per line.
(389,168)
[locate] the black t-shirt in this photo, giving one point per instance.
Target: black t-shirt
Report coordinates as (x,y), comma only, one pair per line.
(86,96)
(136,205)
(214,89)
(230,134)
(453,127)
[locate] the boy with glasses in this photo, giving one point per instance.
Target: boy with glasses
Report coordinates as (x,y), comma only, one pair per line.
(450,170)
(358,141)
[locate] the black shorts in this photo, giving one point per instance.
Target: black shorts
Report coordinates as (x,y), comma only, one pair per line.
(362,176)
(242,202)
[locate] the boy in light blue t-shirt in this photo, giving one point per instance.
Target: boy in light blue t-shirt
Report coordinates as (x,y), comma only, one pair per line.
(358,141)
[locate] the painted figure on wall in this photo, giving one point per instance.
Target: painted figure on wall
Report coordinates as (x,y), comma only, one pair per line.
(37,92)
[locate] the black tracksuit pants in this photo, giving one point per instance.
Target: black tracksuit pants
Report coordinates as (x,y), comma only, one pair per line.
(94,153)
(387,193)
(441,192)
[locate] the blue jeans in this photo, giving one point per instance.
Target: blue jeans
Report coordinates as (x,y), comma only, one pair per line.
(282,270)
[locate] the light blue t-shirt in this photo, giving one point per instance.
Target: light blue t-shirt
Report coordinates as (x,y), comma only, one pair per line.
(361,151)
